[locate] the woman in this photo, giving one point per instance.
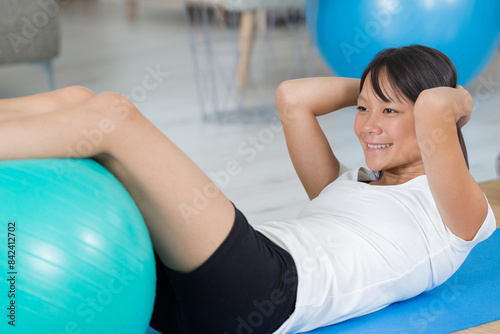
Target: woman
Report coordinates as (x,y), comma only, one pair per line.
(364,241)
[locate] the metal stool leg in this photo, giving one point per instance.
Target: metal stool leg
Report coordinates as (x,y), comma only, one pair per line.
(498,165)
(49,73)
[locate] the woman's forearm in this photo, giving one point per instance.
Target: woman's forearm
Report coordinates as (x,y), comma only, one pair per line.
(458,197)
(318,95)
(299,103)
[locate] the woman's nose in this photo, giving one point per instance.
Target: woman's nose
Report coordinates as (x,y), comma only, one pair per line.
(372,125)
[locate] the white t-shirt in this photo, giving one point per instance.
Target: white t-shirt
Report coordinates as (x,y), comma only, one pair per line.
(360,247)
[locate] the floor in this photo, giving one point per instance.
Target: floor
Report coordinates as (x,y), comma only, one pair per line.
(103,50)
(492,192)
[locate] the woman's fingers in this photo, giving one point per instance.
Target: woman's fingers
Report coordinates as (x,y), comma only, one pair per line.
(465,106)
(463,120)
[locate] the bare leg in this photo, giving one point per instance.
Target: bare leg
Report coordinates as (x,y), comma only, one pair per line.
(43,103)
(187,216)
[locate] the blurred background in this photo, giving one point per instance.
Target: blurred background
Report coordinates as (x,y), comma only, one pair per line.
(206,77)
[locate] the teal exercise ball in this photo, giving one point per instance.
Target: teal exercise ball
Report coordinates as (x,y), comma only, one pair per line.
(76,254)
(349,33)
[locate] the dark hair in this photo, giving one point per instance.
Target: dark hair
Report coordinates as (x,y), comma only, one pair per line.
(409,70)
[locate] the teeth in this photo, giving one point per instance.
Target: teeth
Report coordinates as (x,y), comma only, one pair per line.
(378,146)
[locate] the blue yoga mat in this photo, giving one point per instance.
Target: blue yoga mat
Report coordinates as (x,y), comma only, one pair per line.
(471,297)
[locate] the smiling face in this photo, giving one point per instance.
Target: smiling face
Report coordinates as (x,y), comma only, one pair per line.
(386,131)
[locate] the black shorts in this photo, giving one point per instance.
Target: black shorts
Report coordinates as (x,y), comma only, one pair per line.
(247,286)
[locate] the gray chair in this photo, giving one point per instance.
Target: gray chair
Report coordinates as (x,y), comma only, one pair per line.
(29,33)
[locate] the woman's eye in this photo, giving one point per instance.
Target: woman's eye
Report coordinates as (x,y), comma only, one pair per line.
(361,108)
(389,111)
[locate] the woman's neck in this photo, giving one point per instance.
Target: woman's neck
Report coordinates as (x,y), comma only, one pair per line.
(397,176)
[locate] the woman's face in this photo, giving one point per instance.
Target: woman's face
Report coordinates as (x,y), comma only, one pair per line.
(386,130)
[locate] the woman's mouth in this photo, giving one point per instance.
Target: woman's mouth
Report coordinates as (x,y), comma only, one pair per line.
(377,146)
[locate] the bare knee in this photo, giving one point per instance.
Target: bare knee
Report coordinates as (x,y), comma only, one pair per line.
(76,94)
(114,107)
(113,116)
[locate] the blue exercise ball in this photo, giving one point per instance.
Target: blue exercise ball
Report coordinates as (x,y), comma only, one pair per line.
(77,256)
(349,33)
